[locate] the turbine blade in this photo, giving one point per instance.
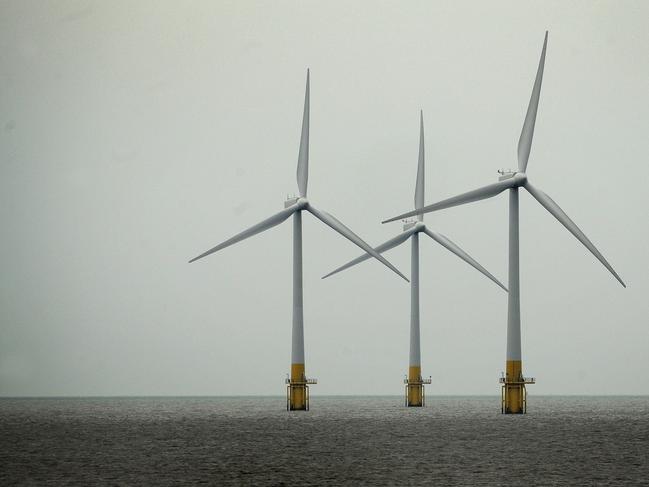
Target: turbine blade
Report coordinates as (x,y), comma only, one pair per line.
(303,156)
(334,223)
(445,242)
(468,197)
(390,244)
(549,204)
(254,230)
(419,186)
(525,140)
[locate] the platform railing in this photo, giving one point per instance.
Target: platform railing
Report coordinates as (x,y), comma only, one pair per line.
(418,382)
(522,380)
(304,381)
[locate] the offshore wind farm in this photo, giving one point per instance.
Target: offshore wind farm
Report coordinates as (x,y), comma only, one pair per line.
(514,393)
(134,135)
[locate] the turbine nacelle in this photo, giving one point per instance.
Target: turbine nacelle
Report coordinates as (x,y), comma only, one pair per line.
(415,226)
(514,177)
(296,202)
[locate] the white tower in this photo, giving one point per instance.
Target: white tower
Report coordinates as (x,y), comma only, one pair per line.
(513,382)
(411,230)
(297,384)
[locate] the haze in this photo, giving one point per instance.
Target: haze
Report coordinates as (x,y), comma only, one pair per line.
(136,135)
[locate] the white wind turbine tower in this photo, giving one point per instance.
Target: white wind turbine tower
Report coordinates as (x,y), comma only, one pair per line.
(297,388)
(411,230)
(513,389)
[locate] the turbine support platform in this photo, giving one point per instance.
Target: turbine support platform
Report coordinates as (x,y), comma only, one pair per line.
(415,394)
(513,396)
(297,389)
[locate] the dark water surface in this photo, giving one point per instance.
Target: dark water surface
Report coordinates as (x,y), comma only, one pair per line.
(342,440)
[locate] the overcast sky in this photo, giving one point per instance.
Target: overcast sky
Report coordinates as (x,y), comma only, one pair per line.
(135,135)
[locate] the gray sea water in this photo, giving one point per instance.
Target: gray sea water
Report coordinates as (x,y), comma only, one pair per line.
(342,440)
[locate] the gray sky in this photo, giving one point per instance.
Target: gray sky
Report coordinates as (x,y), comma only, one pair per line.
(135,135)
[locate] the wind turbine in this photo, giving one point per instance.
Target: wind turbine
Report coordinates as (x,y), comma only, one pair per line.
(297,385)
(411,230)
(513,389)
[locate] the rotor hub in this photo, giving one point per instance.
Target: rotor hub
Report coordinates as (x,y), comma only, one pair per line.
(411,223)
(519,178)
(295,200)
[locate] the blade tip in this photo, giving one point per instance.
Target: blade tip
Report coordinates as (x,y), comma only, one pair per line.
(389,220)
(617,277)
(399,273)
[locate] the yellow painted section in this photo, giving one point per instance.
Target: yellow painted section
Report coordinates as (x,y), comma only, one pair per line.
(514,393)
(297,372)
(514,370)
(415,391)
(414,373)
(297,392)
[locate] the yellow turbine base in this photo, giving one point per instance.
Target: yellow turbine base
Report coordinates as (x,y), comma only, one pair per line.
(514,394)
(297,372)
(298,391)
(415,389)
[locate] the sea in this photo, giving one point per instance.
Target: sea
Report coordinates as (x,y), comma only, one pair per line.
(341,441)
